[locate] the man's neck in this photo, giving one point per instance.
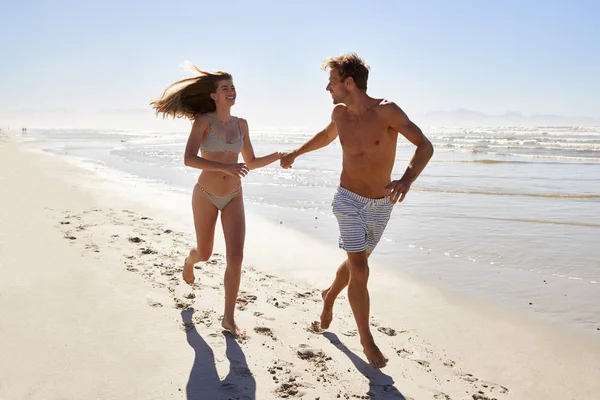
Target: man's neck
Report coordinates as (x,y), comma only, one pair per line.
(359,103)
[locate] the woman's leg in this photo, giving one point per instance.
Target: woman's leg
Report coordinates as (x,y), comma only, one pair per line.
(205,218)
(233,221)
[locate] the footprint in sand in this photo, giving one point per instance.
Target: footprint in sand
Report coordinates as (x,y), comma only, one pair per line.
(277,303)
(92,246)
(493,387)
(168,272)
(280,371)
(441,396)
(318,358)
(467,377)
(263,330)
(449,363)
(481,396)
(180,304)
(205,318)
(404,353)
(154,303)
(423,363)
(244,299)
(387,331)
(306,352)
(262,315)
(309,296)
(289,389)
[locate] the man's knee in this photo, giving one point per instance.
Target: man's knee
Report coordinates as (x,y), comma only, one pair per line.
(359,267)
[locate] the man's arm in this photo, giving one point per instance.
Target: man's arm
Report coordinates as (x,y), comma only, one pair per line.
(400,122)
(320,140)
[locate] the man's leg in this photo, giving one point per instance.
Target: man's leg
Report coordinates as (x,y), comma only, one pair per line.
(342,277)
(352,238)
(358,295)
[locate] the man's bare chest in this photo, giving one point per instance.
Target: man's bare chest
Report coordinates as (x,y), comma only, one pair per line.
(363,137)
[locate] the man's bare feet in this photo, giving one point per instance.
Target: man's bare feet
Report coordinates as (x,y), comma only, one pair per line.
(231,327)
(188,272)
(374,355)
(327,313)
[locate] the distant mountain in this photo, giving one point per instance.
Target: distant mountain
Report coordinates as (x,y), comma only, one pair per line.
(462,117)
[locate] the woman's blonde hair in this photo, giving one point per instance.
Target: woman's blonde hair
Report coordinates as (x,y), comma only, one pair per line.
(190,97)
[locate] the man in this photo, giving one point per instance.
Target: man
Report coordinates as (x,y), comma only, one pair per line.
(368,130)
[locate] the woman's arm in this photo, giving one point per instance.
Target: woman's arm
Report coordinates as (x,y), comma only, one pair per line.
(250,158)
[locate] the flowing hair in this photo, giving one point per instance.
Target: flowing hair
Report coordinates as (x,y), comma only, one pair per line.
(190,97)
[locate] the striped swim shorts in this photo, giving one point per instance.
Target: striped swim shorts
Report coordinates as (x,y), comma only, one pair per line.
(361,220)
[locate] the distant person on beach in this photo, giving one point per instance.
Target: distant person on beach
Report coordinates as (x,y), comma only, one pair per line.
(368,131)
(206,99)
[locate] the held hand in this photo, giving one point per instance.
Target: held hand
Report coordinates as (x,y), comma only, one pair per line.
(397,190)
(240,170)
(287,159)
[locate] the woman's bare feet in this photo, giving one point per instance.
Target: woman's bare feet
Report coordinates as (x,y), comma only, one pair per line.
(374,355)
(188,272)
(231,327)
(327,313)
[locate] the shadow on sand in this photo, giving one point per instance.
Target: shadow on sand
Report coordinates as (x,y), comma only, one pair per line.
(381,386)
(204,382)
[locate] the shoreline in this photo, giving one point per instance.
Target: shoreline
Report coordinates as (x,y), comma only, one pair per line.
(438,343)
(528,282)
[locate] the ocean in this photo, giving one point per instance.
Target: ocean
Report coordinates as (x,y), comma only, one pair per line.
(501,214)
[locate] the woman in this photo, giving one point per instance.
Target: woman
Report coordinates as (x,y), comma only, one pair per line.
(220,137)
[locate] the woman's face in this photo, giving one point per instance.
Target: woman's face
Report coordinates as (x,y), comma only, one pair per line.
(225,94)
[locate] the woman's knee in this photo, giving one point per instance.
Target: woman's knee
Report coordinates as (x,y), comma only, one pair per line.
(202,255)
(235,260)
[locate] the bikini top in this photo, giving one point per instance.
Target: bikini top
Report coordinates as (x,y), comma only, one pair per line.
(215,143)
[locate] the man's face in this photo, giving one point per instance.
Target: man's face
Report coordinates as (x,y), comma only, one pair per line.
(336,87)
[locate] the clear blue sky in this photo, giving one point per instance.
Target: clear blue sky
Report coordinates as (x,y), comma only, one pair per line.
(491,56)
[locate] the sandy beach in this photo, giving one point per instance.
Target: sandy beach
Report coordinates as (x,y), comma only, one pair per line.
(93,306)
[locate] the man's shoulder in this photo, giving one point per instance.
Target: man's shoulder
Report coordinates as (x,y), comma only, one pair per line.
(389,110)
(339,108)
(388,105)
(338,111)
